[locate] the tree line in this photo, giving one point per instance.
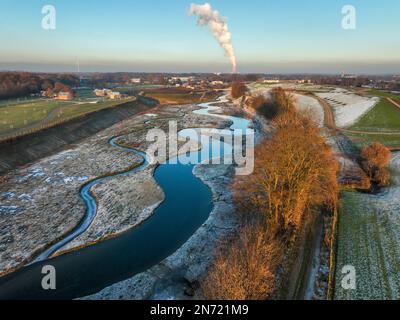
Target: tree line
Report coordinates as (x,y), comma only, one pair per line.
(295,178)
(22,84)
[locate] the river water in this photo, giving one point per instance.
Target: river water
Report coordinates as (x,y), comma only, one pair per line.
(187,205)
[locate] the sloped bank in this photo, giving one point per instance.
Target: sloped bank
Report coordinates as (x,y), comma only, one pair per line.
(29,148)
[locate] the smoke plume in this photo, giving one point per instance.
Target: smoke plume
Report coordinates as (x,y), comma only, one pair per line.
(218,26)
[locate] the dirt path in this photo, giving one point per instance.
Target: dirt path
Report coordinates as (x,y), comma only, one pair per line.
(395,103)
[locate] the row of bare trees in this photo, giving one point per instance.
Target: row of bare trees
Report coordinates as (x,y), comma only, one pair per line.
(295,176)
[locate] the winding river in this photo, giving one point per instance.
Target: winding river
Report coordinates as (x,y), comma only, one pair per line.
(187,205)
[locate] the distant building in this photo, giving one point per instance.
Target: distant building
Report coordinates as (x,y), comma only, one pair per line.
(102,92)
(64,96)
(181,80)
(136,80)
(271,81)
(114,95)
(304,81)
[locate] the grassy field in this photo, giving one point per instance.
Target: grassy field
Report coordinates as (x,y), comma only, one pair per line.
(369,240)
(383,117)
(24,115)
(369,225)
(382,94)
(84,108)
(360,140)
(179,96)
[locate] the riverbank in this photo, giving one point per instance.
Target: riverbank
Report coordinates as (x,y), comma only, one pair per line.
(178,276)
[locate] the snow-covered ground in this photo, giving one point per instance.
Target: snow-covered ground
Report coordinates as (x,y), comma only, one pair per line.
(348,107)
(310,105)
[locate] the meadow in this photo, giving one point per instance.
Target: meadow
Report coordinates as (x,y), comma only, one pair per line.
(23,114)
(383,94)
(14,119)
(360,140)
(383,117)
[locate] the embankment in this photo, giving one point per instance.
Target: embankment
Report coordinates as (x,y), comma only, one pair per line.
(28,148)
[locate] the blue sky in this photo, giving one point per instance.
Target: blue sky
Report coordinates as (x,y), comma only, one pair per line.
(158,35)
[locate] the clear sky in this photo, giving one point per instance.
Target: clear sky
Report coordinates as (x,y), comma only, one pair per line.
(158,35)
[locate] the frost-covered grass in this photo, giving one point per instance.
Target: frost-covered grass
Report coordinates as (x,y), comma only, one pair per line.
(384,116)
(311,106)
(348,107)
(369,240)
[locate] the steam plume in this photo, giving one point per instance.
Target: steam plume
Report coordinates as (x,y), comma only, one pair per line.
(218,26)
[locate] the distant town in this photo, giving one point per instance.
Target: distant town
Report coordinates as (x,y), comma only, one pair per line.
(115,86)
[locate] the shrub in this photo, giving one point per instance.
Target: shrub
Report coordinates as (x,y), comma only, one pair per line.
(375,160)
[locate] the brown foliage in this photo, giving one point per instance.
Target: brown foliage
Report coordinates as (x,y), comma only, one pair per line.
(238,89)
(293,171)
(3,179)
(244,268)
(375,161)
(279,103)
(283,100)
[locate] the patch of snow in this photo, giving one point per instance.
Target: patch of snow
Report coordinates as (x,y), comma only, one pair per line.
(35,172)
(59,178)
(7,195)
(9,209)
(64,155)
(25,197)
